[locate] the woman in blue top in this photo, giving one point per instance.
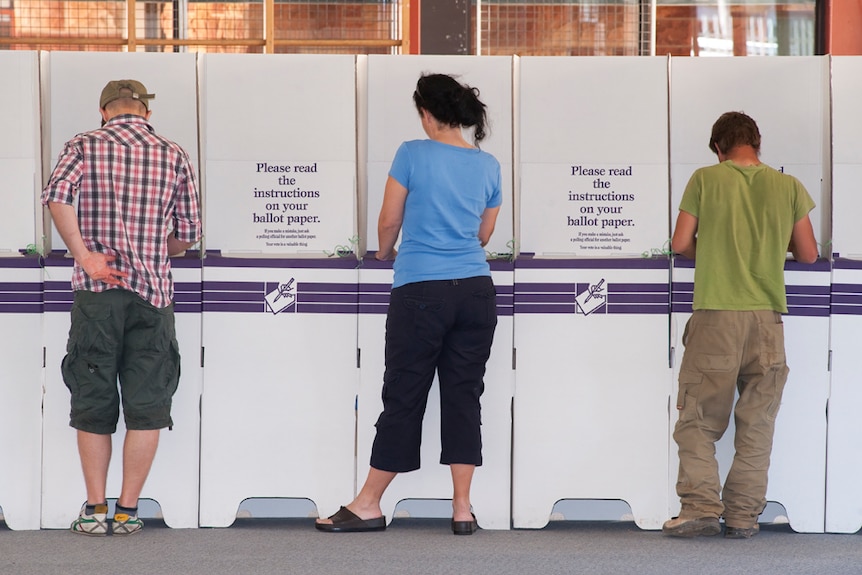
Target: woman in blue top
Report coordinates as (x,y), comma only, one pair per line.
(443,195)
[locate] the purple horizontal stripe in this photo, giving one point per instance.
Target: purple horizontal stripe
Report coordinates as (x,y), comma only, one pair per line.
(181,297)
(685,297)
(808,311)
(58,260)
(372,298)
(188,286)
(821,265)
(592,263)
(182,307)
(21,286)
(538,308)
(190,260)
(258,287)
(369,308)
(501,265)
(680,307)
(808,289)
(58,286)
(847,264)
(504,289)
(21,308)
(306,297)
(846,288)
(234,307)
(324,308)
(58,306)
(67,296)
(682,286)
(683,263)
(25,262)
(811,301)
(520,288)
(839,298)
(638,298)
(327,287)
(846,310)
(366,287)
(506,311)
(20,297)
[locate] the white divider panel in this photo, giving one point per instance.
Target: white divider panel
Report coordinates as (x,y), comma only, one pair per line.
(847,156)
(279,152)
(392,119)
(789,100)
(797,474)
(787,97)
(844,447)
(72,83)
(278,412)
(20,155)
(593,155)
(173,479)
(490,491)
(21,391)
(843,494)
(592,386)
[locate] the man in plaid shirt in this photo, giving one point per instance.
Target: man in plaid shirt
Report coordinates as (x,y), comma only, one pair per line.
(137,205)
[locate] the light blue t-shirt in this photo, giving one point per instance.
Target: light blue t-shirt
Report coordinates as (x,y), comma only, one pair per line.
(448,189)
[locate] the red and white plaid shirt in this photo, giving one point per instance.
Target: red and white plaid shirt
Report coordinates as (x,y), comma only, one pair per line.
(133,188)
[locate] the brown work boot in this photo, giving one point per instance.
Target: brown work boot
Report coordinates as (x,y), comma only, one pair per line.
(691,527)
(741,532)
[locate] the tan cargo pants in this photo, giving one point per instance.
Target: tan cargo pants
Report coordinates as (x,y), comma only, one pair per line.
(725,352)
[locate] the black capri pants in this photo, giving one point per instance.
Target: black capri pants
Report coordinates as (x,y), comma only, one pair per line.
(445,326)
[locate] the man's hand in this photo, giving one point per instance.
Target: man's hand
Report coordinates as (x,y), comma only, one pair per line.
(96,266)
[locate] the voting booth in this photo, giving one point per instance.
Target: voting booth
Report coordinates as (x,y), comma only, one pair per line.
(391,119)
(72,83)
(789,100)
(844,449)
(591,287)
(279,314)
(20,290)
(21,390)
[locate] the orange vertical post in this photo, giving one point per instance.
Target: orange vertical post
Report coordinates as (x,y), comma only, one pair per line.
(844,22)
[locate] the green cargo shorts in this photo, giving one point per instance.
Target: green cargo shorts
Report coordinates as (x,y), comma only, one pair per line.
(118,336)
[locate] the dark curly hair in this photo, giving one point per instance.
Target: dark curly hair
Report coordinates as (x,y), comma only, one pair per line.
(451,103)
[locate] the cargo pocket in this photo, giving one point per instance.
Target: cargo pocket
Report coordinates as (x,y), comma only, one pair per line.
(90,350)
(772,356)
(687,397)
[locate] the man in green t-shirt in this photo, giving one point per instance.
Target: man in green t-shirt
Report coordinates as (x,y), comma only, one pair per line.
(740,218)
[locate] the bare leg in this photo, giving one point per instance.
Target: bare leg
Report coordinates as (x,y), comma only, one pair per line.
(139,450)
(462,478)
(95,452)
(367,503)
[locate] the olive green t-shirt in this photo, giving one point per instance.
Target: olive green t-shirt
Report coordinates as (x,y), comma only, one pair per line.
(745,219)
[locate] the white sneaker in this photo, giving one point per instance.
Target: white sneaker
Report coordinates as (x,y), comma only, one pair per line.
(125,524)
(95,524)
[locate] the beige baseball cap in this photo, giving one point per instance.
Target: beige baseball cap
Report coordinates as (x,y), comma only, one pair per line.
(116,89)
